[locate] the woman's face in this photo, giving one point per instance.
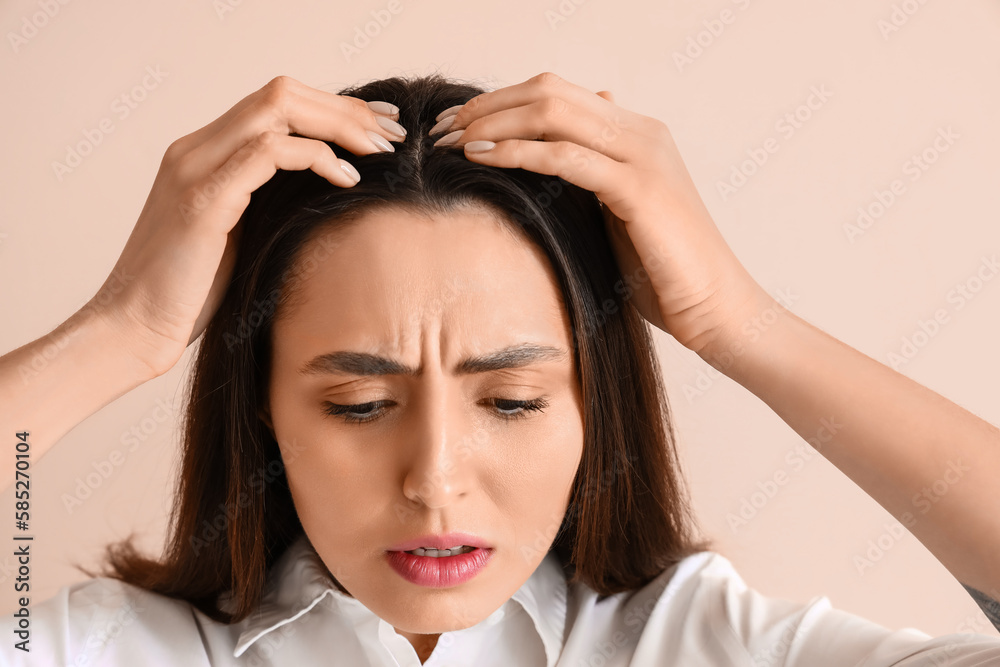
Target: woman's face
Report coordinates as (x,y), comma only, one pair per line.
(404,322)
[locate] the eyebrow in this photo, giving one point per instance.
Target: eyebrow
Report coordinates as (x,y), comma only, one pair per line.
(362,363)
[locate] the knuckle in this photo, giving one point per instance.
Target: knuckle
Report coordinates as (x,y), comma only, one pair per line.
(175,151)
(320,150)
(184,169)
(657,128)
(280,82)
(547,80)
(469,108)
(277,93)
(360,111)
(266,139)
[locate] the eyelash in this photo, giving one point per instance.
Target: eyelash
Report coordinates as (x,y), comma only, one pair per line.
(343,411)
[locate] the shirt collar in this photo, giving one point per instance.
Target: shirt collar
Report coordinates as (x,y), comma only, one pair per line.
(299,580)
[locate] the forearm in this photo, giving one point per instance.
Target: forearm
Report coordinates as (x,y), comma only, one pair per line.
(929,462)
(52,384)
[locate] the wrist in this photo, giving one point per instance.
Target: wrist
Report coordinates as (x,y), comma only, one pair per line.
(745,331)
(101,329)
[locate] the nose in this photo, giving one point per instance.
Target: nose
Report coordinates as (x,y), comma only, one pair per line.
(439,469)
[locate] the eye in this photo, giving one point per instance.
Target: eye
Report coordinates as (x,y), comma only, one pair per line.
(506,409)
(349,413)
(522,407)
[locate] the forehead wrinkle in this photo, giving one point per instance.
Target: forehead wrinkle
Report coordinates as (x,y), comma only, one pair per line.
(517,356)
(412,306)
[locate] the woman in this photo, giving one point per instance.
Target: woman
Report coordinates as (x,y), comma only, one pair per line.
(426,423)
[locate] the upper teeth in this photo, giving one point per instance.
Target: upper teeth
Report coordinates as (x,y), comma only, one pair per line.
(438,553)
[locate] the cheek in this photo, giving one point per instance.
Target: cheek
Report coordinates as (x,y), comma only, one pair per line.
(334,491)
(537,480)
(547,458)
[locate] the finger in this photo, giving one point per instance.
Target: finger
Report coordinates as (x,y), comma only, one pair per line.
(199,136)
(607,178)
(553,119)
(542,85)
(260,97)
(253,165)
(606,94)
(196,138)
(331,118)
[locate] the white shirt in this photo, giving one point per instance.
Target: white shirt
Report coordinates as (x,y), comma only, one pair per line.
(698,612)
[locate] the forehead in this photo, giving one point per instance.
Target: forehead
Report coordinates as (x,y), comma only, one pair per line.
(395,274)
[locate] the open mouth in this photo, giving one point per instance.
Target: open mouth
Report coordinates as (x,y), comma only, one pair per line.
(439,568)
(441,553)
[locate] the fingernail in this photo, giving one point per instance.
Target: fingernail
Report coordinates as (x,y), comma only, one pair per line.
(391,125)
(479,146)
(351,171)
(383,107)
(380,142)
(449,138)
(449,111)
(442,125)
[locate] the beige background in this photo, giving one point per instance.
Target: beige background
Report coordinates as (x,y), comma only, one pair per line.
(888,95)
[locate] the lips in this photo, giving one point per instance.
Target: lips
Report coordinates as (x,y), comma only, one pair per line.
(441,542)
(443,572)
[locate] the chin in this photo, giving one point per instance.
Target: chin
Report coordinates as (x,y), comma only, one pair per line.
(443,611)
(425,624)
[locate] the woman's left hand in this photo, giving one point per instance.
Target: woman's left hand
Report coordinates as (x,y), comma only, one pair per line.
(696,290)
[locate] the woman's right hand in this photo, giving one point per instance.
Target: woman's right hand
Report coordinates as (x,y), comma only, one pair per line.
(177,263)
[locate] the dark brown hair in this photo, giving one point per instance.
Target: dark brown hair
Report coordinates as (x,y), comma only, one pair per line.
(629,516)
